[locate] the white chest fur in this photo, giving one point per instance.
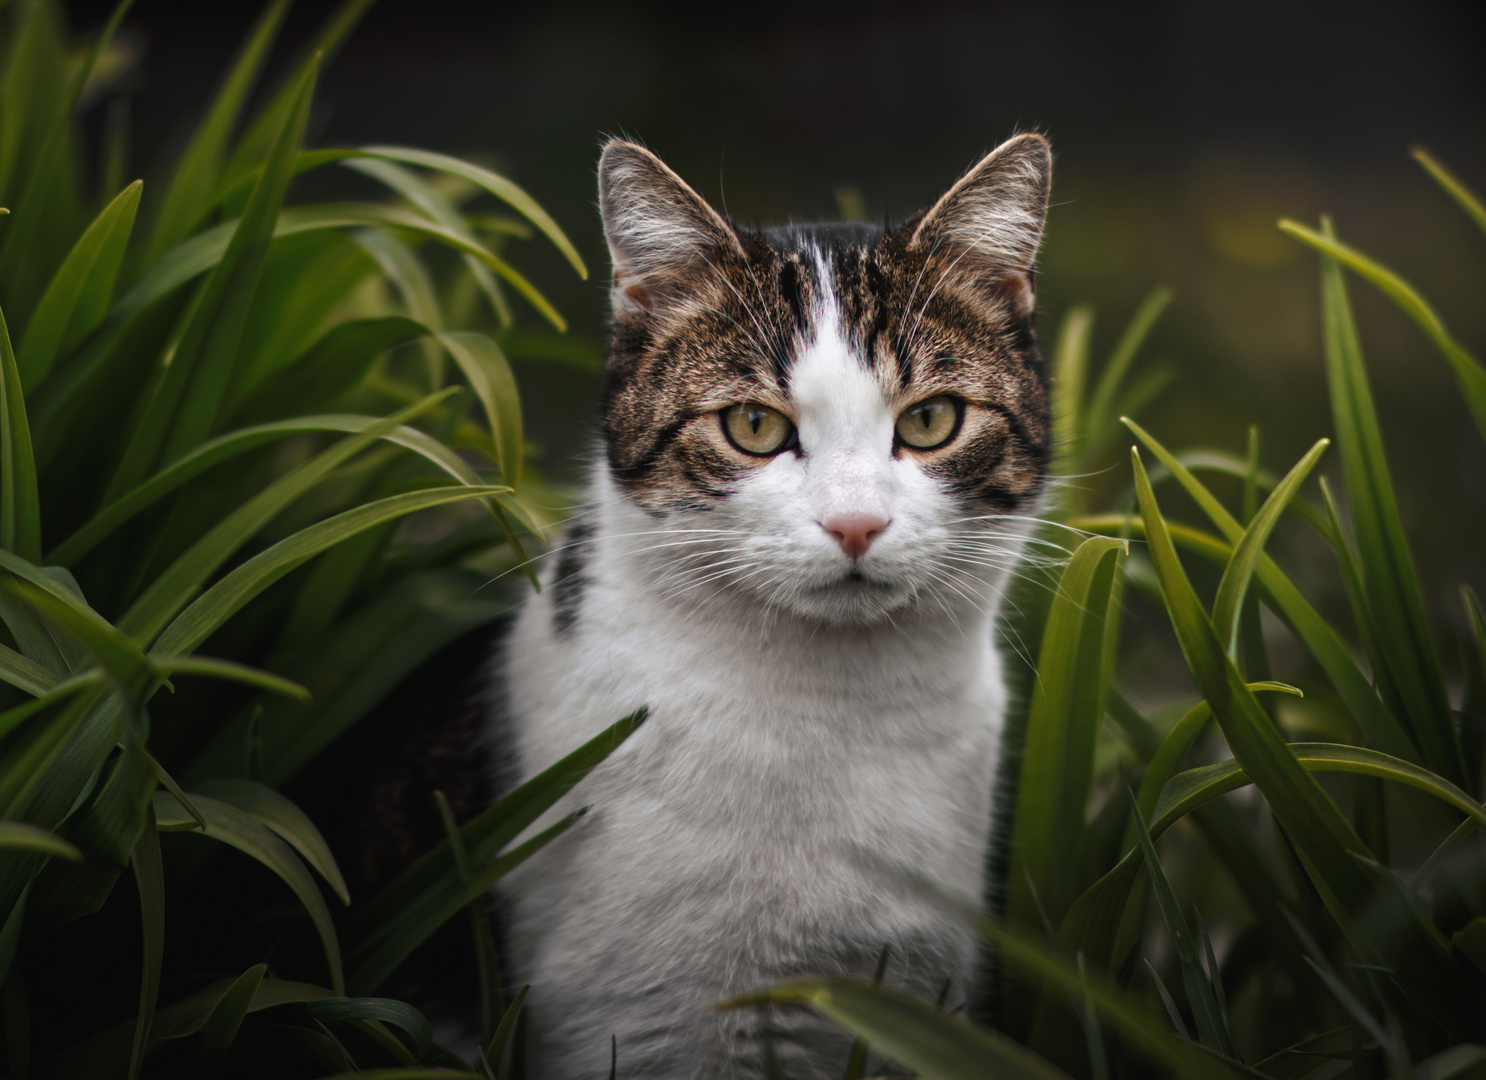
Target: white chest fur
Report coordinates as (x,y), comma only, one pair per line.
(740,835)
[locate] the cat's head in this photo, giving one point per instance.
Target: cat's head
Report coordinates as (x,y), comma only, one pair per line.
(841,422)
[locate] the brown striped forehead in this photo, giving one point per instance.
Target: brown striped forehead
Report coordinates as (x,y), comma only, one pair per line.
(918,317)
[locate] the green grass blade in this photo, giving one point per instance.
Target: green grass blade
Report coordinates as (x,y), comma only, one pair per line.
(1099,425)
(381,956)
(132,672)
(1067,704)
(1210,1028)
(79,293)
(1452,185)
(29,765)
(1189,790)
(257,140)
(19,836)
(1168,757)
(229,825)
(283,817)
(487,966)
(23,672)
(1228,604)
(231,671)
(489,375)
(218,603)
(189,196)
(1469,372)
(333,365)
(936,1045)
(149,874)
(232,444)
(204,365)
(1338,863)
(20,505)
(488,832)
(1384,730)
(148,615)
(499,1050)
(1070,373)
(494,183)
(1388,574)
(220,1030)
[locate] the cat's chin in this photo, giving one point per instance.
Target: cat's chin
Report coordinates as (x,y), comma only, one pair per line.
(851,601)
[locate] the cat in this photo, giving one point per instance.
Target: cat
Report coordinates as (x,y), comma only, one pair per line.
(822,447)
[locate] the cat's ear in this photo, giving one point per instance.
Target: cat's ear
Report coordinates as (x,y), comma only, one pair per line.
(661,233)
(993,217)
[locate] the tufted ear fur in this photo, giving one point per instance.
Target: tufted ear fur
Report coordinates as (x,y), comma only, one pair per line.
(661,233)
(991,220)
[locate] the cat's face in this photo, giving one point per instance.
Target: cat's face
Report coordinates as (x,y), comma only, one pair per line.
(838,422)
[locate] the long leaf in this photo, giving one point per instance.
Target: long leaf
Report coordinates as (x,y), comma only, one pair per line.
(1469,372)
(190,193)
(1452,184)
(149,614)
(486,834)
(489,373)
(1228,604)
(78,296)
(1099,425)
(1354,888)
(20,506)
(243,831)
(283,817)
(149,874)
(1383,729)
(936,1045)
(1067,704)
(19,836)
(218,603)
(188,397)
(239,442)
(220,1030)
(417,925)
(1408,652)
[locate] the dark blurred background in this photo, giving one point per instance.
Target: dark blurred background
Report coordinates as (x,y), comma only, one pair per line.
(1182,131)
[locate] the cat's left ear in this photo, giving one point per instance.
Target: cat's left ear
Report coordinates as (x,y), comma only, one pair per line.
(992,219)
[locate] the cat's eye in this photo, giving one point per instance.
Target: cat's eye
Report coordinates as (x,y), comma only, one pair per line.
(930,423)
(757,429)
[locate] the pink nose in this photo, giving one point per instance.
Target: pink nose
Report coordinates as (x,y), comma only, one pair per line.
(854,532)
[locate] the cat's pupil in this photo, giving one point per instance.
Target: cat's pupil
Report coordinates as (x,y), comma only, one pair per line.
(755,419)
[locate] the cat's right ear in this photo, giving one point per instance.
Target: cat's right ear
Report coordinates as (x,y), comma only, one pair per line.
(661,233)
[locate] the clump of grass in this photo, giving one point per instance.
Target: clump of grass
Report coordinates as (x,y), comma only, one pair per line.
(217,414)
(1354,908)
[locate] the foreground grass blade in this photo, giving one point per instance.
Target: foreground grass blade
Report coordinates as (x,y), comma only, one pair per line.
(1469,372)
(1067,704)
(489,374)
(19,836)
(148,615)
(1070,363)
(486,963)
(381,955)
(190,193)
(232,826)
(1354,888)
(78,296)
(936,1045)
(488,832)
(1393,596)
(224,599)
(1457,190)
(1211,1025)
(217,1034)
(1188,790)
(235,443)
(1383,730)
(1099,425)
(20,505)
(283,817)
(1228,604)
(149,873)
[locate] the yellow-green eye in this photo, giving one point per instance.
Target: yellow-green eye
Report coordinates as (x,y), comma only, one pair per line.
(930,423)
(757,429)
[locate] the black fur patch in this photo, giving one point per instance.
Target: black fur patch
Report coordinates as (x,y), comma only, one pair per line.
(569,579)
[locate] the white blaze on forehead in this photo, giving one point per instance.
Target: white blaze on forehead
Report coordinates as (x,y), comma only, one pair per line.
(845,424)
